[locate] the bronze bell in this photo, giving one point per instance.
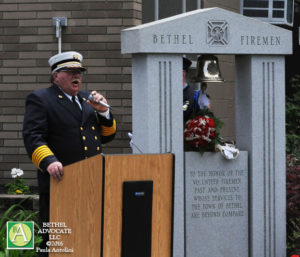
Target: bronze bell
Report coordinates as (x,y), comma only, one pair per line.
(208,69)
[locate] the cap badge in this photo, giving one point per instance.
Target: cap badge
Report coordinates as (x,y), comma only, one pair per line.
(75,56)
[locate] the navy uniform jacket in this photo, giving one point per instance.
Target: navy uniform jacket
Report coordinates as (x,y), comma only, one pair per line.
(53,132)
(188,99)
(191,100)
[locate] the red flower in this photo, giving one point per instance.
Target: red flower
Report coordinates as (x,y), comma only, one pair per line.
(199,131)
(211,123)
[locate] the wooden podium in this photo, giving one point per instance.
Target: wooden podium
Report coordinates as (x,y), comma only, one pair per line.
(86,205)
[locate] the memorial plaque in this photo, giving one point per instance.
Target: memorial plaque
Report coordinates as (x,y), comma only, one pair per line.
(216,205)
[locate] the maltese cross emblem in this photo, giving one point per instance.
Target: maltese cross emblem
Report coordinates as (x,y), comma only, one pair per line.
(217,33)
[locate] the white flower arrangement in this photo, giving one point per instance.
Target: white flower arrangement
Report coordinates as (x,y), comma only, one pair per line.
(17,186)
(15,172)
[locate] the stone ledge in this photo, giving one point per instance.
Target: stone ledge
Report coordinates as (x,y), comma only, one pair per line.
(20,196)
(30,202)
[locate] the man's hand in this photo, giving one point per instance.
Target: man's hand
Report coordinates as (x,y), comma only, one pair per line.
(56,170)
(95,104)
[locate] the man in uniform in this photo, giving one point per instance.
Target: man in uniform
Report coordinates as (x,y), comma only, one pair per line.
(192,100)
(61,126)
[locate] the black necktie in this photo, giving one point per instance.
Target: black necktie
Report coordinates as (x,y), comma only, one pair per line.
(76,107)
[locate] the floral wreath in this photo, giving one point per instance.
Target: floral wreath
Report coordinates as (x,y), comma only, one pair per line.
(202,131)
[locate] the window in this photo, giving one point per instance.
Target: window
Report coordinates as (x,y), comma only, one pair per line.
(159,9)
(273,11)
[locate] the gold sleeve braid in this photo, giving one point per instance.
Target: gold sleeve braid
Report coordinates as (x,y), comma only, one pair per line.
(40,153)
(107,131)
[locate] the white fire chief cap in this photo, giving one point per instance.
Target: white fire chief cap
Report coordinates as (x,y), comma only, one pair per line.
(67,60)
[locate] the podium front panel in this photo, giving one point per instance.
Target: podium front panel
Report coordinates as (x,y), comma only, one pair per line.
(76,208)
(125,168)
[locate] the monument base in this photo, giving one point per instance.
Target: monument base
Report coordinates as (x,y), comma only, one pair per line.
(216,204)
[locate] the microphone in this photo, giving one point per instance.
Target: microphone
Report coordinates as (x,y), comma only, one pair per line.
(91,98)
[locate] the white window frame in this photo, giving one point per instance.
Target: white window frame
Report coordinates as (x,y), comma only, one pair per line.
(156,7)
(270,10)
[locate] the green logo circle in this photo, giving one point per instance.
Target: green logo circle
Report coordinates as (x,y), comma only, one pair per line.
(20,234)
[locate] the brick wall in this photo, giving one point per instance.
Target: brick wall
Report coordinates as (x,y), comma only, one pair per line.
(27,40)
